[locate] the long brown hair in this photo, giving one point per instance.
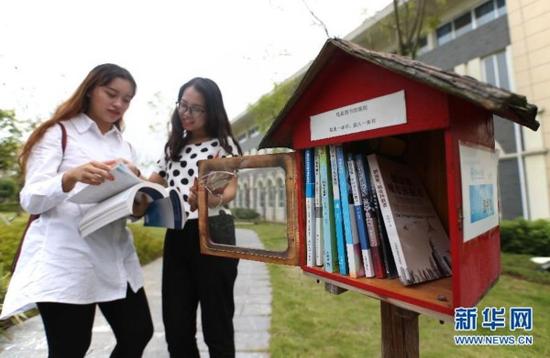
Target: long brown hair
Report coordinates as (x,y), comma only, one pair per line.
(78,103)
(217,125)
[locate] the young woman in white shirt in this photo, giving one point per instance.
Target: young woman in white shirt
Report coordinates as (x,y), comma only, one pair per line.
(200,130)
(64,274)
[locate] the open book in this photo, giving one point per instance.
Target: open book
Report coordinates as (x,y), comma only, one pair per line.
(115,199)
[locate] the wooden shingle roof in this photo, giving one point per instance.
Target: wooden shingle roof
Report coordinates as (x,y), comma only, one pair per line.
(504,103)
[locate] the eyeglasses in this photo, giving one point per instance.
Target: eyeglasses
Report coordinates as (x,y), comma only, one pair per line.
(193,110)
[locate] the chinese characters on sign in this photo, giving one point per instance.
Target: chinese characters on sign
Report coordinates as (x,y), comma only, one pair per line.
(384,111)
(494,319)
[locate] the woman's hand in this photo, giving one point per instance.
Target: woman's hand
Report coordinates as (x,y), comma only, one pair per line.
(131,166)
(215,198)
(193,198)
(93,173)
(141,203)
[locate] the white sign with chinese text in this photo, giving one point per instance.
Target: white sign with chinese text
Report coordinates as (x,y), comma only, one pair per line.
(385,111)
(479,173)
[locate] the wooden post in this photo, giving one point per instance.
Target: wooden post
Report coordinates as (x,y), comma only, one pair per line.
(399,332)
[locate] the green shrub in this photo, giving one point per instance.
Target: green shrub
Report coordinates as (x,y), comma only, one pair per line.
(245,213)
(521,236)
(148,242)
(8,189)
(10,206)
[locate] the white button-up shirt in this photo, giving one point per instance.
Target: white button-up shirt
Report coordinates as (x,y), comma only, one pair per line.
(56,263)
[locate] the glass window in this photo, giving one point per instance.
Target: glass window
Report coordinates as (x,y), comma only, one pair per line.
(261,190)
(444,34)
(485,13)
(501,7)
(270,194)
(252,132)
(241,138)
(422,45)
(281,196)
(463,24)
(495,69)
(489,68)
(502,71)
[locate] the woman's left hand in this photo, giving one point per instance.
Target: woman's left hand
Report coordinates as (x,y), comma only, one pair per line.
(131,166)
(193,198)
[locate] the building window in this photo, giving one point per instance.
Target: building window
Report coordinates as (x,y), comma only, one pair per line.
(270,194)
(513,189)
(501,7)
(241,138)
(473,19)
(422,45)
(253,132)
(444,34)
(463,24)
(485,13)
(282,195)
(261,190)
(495,69)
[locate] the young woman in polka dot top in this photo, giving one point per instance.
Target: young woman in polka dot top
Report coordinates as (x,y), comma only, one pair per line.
(200,130)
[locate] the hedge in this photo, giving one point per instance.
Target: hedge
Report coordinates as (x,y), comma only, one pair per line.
(521,236)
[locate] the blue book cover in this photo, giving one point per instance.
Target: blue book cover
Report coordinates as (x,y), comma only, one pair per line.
(319,247)
(368,198)
(329,230)
(309,170)
(352,243)
(360,218)
(340,240)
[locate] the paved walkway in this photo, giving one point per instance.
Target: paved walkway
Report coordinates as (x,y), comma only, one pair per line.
(252,317)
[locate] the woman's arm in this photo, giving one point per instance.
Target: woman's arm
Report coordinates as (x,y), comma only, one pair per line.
(46,187)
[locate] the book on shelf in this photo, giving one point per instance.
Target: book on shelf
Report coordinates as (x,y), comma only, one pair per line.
(418,241)
(329,233)
(353,247)
(114,200)
(359,217)
(371,220)
(339,229)
(309,169)
(387,256)
(318,210)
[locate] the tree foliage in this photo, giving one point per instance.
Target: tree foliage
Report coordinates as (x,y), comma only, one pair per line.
(10,141)
(410,18)
(269,105)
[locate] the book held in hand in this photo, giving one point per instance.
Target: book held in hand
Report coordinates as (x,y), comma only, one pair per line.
(419,243)
(114,200)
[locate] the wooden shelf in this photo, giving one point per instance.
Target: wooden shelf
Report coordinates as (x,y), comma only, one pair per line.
(434,297)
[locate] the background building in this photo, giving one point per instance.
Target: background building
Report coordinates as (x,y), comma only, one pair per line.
(502,42)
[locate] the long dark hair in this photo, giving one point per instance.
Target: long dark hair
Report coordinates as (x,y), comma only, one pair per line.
(217,122)
(79,102)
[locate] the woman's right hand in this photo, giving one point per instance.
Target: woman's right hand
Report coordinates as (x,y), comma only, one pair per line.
(93,173)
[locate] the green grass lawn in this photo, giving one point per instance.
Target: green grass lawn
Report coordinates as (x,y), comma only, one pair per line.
(308,322)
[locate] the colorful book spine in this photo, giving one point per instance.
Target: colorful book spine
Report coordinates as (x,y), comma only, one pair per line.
(309,169)
(353,247)
(339,229)
(389,220)
(318,211)
(369,207)
(359,218)
(329,232)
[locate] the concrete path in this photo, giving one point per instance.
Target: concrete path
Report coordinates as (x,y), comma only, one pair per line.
(252,317)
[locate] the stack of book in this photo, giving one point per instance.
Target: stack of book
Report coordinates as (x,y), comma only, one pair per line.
(369,216)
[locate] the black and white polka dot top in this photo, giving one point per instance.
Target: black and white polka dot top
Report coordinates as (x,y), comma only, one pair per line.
(181,174)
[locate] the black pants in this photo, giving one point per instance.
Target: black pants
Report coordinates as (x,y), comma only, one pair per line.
(69,326)
(189,278)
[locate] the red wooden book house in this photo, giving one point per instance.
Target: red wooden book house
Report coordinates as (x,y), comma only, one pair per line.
(353,95)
